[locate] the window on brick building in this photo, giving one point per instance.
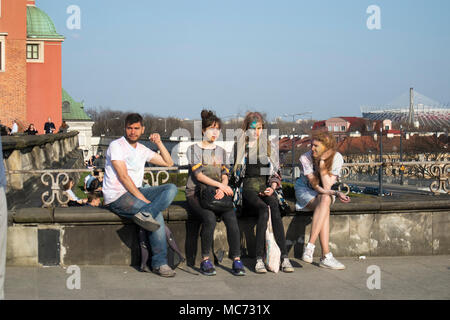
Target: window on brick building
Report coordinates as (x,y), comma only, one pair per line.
(33,51)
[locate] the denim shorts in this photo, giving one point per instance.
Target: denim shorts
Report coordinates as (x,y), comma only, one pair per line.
(304,193)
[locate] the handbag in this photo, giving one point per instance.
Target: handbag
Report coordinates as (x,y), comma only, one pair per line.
(273,252)
(208,200)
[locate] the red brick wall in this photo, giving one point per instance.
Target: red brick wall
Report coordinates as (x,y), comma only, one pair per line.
(13,81)
(44,86)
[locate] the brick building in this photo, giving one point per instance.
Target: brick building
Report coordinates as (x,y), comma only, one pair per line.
(30,65)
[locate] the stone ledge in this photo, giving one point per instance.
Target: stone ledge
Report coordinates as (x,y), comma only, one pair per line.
(178,212)
(23,142)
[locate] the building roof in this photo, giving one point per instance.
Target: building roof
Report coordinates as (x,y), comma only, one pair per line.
(72,110)
(39,25)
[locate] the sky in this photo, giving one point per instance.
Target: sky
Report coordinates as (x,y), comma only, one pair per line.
(176,57)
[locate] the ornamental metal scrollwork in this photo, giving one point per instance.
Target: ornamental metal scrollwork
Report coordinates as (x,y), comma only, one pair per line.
(47,198)
(442,172)
(155,180)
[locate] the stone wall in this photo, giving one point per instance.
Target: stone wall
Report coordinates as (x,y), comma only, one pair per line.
(92,236)
(39,152)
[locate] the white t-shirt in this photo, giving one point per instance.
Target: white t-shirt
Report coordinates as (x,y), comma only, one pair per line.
(134,158)
(15,128)
(307,163)
(72,195)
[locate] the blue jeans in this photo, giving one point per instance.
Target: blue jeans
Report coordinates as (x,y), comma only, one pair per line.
(161,197)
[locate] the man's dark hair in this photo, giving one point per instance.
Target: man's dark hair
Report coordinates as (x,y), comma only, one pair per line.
(94,185)
(92,196)
(133,118)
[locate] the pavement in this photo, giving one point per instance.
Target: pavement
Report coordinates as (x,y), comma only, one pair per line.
(373,278)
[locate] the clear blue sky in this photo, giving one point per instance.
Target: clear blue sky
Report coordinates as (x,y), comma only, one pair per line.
(173,57)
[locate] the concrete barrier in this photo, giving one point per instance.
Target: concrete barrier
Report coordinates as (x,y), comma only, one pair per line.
(94,236)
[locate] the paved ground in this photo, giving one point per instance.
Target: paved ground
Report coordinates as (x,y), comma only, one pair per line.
(400,278)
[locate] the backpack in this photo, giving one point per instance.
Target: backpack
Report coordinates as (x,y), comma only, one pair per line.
(174,255)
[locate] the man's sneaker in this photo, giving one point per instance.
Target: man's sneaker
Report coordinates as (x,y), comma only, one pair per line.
(238,268)
(165,271)
(146,221)
(286,266)
(260,267)
(207,268)
(330,262)
(308,253)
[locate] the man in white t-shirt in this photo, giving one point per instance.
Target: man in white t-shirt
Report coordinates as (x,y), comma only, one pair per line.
(123,192)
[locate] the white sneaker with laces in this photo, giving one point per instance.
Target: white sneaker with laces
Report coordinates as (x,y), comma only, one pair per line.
(308,253)
(330,262)
(260,267)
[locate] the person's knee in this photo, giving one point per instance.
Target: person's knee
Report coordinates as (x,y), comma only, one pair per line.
(171,189)
(325,199)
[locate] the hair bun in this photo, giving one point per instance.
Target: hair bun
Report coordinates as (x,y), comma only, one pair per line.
(206,113)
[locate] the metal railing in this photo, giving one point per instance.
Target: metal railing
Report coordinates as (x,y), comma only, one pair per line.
(56,178)
(438,173)
(435,173)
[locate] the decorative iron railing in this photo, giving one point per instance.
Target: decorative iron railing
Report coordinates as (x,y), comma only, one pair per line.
(56,178)
(438,173)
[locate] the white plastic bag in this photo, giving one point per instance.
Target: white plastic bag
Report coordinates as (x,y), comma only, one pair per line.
(273,252)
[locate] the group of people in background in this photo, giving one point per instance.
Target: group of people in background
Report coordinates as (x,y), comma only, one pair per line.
(49,128)
(252,184)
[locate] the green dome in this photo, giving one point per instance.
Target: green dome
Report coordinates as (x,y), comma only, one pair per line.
(39,24)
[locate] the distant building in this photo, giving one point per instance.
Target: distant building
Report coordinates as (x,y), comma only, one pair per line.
(342,126)
(428,113)
(78,120)
(30,65)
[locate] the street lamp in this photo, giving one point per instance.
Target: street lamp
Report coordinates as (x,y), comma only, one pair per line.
(380,172)
(165,125)
(293,141)
(402,168)
(106,123)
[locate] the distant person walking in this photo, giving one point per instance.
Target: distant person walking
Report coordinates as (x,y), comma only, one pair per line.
(3,223)
(49,126)
(321,168)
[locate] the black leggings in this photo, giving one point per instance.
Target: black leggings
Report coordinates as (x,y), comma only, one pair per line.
(251,200)
(208,219)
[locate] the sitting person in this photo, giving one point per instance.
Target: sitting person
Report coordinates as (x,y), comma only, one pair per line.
(93,182)
(124,194)
(208,166)
(94,200)
(74,201)
(95,186)
(321,168)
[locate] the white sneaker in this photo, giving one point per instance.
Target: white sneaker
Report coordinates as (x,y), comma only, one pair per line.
(146,221)
(260,266)
(330,262)
(286,266)
(297,207)
(308,253)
